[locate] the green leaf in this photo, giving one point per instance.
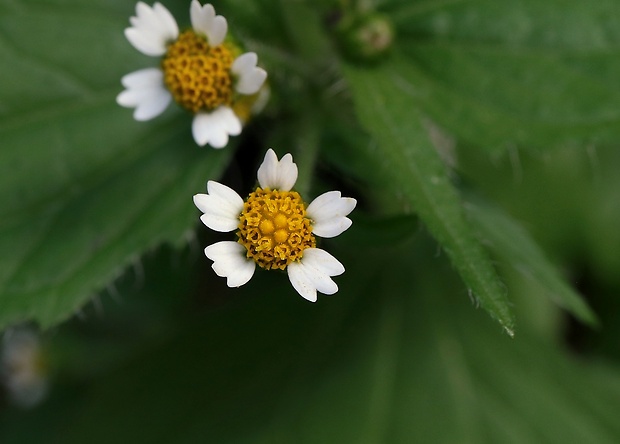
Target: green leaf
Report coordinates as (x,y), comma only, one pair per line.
(567,198)
(516,71)
(85,188)
(514,245)
(404,153)
(411,365)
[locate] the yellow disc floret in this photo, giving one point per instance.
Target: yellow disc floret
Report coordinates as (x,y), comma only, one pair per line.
(198,74)
(274,229)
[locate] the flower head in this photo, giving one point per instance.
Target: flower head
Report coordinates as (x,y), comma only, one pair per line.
(23,370)
(200,70)
(275,229)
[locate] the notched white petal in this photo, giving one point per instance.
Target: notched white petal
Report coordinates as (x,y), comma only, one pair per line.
(167,21)
(287,173)
(218,222)
(331,204)
(152,28)
(323,261)
(204,21)
(143,78)
(328,212)
(214,128)
(331,228)
(229,261)
(217,32)
(321,281)
(145,92)
(267,170)
(201,16)
(221,207)
(244,62)
(301,282)
(145,43)
(227,195)
(313,273)
(152,107)
(274,174)
(250,78)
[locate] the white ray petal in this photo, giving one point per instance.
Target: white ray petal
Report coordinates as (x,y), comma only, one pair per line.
(331,228)
(230,261)
(221,207)
(153,107)
(146,20)
(274,174)
(244,62)
(313,272)
(214,128)
(323,261)
(250,78)
(301,282)
(169,25)
(267,171)
(331,204)
(145,92)
(143,78)
(218,30)
(328,212)
(204,21)
(144,43)
(321,281)
(201,16)
(227,195)
(152,28)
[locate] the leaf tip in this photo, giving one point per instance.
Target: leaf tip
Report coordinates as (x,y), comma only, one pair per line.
(510,331)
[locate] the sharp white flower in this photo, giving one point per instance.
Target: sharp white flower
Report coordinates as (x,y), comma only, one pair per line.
(199,70)
(275,229)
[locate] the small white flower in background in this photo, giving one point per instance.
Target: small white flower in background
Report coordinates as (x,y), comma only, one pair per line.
(22,367)
(200,70)
(275,229)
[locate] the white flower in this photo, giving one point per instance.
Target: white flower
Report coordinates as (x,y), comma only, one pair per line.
(155,32)
(275,229)
(22,367)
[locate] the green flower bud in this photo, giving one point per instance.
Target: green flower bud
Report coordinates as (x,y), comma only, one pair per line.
(367,37)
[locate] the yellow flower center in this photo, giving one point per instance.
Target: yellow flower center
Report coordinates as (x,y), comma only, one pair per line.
(274,229)
(198,74)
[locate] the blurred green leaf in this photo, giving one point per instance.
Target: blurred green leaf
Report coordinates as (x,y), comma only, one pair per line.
(386,359)
(85,189)
(516,71)
(403,152)
(566,196)
(514,245)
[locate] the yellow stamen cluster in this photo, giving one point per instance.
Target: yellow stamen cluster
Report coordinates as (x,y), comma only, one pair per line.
(274,229)
(198,74)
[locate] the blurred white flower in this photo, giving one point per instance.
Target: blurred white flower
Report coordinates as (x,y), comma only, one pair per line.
(200,70)
(275,229)
(22,368)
